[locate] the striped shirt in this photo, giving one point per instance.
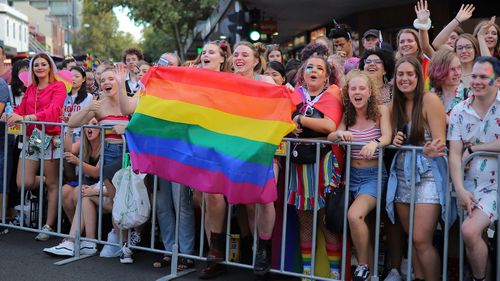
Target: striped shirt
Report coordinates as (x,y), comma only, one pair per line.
(113,120)
(364,136)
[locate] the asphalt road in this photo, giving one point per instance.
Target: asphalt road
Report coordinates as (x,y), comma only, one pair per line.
(21,258)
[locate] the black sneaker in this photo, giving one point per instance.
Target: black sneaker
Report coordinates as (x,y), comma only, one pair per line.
(362,273)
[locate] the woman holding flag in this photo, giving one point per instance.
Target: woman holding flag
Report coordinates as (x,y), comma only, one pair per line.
(247,62)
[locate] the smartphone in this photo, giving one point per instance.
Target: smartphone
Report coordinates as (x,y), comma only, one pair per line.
(163,62)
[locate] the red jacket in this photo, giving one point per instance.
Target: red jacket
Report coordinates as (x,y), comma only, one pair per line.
(46,105)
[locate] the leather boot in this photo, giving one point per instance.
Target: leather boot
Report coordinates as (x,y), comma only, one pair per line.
(263,257)
(214,256)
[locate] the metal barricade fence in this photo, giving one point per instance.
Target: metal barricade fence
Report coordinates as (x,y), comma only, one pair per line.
(200,255)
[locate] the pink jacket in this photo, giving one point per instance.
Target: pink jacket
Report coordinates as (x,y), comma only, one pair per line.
(47,105)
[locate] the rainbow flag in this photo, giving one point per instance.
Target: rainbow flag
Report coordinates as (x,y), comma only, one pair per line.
(215,132)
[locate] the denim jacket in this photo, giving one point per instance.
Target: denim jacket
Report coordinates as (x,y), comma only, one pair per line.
(423,164)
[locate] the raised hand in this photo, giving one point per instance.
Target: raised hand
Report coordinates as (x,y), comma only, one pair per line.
(465,12)
(423,14)
(484,29)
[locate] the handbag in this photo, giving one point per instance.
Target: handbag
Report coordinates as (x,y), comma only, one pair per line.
(36,142)
(334,209)
(335,206)
(306,154)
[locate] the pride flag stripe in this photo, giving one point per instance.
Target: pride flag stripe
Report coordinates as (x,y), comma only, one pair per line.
(243,149)
(232,103)
(211,119)
(187,153)
(215,132)
(207,181)
(217,81)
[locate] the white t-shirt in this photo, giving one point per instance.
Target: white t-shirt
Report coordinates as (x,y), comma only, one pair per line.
(70,107)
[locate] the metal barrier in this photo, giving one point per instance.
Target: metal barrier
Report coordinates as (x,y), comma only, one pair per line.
(199,256)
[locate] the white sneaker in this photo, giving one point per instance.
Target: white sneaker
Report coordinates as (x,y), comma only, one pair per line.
(111,251)
(88,248)
(65,249)
(393,275)
(126,256)
(44,236)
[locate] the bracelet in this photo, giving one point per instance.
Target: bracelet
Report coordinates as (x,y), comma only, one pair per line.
(469,149)
(422,26)
(459,22)
(299,120)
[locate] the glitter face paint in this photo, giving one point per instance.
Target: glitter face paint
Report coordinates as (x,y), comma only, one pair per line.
(489,71)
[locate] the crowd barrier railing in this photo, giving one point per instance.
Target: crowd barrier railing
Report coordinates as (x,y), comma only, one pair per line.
(200,254)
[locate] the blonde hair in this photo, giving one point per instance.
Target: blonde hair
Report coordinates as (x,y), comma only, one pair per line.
(258,50)
(413,32)
(372,111)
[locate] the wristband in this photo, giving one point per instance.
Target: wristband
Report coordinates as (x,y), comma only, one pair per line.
(459,22)
(469,149)
(422,26)
(299,120)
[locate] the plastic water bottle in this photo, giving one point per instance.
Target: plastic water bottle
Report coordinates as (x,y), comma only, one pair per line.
(8,109)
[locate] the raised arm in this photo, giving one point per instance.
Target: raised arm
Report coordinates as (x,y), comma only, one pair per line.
(127,104)
(424,22)
(481,37)
(463,14)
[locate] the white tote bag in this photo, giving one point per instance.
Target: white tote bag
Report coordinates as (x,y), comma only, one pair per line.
(131,205)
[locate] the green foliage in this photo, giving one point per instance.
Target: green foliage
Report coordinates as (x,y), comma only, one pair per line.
(155,43)
(164,16)
(99,33)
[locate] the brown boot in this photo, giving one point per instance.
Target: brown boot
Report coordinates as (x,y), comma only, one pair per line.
(215,255)
(217,246)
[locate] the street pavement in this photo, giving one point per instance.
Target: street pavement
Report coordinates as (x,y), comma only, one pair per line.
(21,258)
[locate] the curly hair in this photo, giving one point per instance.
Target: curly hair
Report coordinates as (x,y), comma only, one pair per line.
(372,111)
(132,51)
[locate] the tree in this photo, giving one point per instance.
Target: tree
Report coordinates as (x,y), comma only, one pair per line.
(155,43)
(99,33)
(176,17)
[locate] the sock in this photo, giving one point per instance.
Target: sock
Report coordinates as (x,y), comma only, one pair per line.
(305,251)
(334,252)
(265,237)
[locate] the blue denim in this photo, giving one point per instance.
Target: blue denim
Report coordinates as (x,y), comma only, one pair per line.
(166,207)
(422,165)
(364,181)
(112,152)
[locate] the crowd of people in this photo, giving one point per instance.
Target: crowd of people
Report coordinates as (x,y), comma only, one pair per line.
(443,96)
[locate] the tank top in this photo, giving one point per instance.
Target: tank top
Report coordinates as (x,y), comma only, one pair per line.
(113,120)
(364,136)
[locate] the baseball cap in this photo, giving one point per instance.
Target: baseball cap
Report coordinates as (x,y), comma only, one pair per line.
(371,32)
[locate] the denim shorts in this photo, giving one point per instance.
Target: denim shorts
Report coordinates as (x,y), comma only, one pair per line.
(112,152)
(364,181)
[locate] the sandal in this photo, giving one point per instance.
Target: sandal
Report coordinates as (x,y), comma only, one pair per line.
(162,262)
(185,263)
